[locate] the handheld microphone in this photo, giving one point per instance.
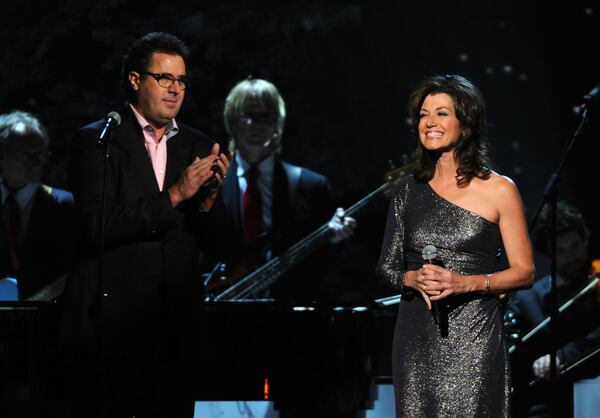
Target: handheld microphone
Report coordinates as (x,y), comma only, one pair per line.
(429,253)
(112,119)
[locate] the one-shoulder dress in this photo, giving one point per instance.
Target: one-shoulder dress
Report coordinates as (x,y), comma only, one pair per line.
(455,363)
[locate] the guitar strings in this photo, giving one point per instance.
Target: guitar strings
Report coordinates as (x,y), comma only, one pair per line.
(288,257)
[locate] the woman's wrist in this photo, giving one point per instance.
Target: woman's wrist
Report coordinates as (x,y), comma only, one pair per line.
(477,283)
(485,281)
(488,283)
(409,279)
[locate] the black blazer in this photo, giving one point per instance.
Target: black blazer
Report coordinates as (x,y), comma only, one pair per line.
(47,248)
(150,282)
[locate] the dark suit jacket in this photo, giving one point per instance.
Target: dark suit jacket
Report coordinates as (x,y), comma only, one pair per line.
(301,203)
(150,282)
(47,249)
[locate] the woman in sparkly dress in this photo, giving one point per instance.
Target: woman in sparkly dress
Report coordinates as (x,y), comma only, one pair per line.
(449,357)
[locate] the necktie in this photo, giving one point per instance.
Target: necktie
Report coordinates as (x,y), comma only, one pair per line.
(252,206)
(13,226)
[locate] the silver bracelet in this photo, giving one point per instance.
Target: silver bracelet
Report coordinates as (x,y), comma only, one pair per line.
(487,284)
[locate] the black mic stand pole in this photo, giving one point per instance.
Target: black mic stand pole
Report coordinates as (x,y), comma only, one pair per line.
(550,196)
(105,144)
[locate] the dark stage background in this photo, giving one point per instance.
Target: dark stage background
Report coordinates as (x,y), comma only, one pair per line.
(345,69)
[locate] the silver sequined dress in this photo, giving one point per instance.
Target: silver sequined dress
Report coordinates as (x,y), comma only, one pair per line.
(457,367)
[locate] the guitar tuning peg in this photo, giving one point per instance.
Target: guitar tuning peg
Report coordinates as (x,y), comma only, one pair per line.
(391,165)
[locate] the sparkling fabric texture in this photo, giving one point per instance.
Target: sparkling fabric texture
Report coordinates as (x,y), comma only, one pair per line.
(458,367)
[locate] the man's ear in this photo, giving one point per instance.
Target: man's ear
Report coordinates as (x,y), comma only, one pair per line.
(134,80)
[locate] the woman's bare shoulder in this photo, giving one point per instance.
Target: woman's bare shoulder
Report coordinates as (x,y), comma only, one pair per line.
(496,183)
(501,189)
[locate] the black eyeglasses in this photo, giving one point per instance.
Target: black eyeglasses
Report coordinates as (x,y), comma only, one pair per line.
(167,80)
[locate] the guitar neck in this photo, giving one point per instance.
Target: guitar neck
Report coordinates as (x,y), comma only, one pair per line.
(270,272)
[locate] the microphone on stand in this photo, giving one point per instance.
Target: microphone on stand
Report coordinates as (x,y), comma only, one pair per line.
(595,92)
(429,253)
(589,98)
(113,119)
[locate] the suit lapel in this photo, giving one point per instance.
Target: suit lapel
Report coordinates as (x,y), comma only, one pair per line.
(282,206)
(42,208)
(176,159)
(130,137)
(230,193)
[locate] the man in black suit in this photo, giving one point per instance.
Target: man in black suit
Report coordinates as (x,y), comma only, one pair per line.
(266,197)
(37,220)
(578,328)
(162,184)
(37,237)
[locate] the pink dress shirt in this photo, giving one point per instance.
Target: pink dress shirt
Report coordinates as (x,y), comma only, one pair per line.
(156,147)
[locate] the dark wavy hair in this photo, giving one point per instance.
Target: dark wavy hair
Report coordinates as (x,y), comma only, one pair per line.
(471,151)
(568,218)
(140,52)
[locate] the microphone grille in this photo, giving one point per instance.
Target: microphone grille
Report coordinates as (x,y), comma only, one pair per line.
(114,115)
(429,252)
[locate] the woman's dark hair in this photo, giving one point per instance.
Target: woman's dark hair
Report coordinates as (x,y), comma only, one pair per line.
(471,151)
(140,54)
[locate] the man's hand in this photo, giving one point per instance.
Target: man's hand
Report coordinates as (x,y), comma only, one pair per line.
(541,367)
(341,226)
(219,168)
(198,174)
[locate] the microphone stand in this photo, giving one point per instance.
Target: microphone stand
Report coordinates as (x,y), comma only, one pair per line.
(550,196)
(105,144)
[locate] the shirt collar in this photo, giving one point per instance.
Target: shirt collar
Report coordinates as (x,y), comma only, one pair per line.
(23,196)
(170,130)
(265,167)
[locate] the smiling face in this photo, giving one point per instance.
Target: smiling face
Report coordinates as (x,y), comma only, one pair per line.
(439,128)
(159,105)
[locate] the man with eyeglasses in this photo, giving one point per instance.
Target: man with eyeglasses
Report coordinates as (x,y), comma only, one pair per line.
(271,203)
(162,183)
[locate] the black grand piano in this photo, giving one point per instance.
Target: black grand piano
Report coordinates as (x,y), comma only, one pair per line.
(310,361)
